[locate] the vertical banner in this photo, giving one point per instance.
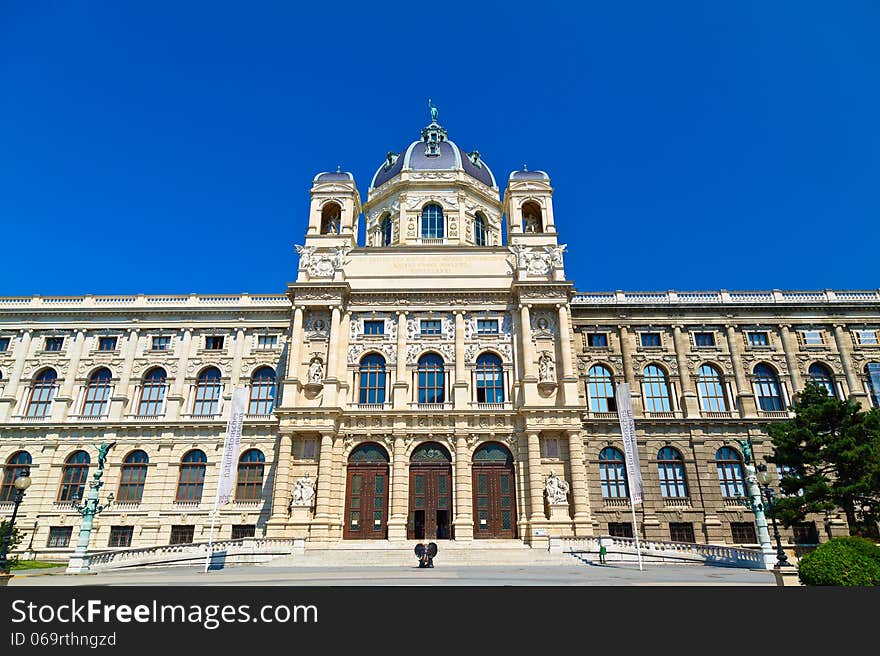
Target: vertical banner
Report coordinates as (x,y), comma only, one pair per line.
(630,448)
(229,463)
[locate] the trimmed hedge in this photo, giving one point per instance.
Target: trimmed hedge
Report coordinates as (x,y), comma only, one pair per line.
(842,561)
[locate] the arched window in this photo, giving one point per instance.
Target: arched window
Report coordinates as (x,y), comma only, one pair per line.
(533,220)
(670,466)
(42,393)
(600,389)
(386,230)
(153,393)
(767,388)
(192,476)
(17,464)
(133,477)
(480,235)
(432,222)
(656,390)
(432,379)
(250,475)
(73,476)
(372,379)
(821,375)
(730,472)
(710,387)
(490,379)
(330,217)
(97,395)
(207,402)
(612,473)
(262,392)
(872,382)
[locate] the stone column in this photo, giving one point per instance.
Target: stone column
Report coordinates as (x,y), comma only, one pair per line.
(342,355)
(120,394)
(281,491)
(9,397)
(175,400)
(744,394)
(856,390)
(528,347)
(235,377)
(536,480)
(797,381)
(580,494)
(401,383)
(294,349)
(568,383)
(689,402)
(399,491)
(324,492)
(331,379)
(628,371)
(464,501)
(460,385)
(64,400)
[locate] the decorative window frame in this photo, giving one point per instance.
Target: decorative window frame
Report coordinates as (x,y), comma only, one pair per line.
(802,338)
(758,347)
(650,331)
(707,331)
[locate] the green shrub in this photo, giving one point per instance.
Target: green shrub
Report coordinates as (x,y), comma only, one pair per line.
(842,561)
(14,541)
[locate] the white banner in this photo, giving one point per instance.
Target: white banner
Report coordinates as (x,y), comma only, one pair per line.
(229,463)
(630,448)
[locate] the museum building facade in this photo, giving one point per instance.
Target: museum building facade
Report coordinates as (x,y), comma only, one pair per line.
(444,380)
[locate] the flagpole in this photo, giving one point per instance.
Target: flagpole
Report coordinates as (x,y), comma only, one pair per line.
(632,507)
(211,540)
(631,453)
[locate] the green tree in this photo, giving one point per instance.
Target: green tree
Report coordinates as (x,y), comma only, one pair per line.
(14,540)
(832,451)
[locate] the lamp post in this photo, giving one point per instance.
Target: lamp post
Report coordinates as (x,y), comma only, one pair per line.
(79,561)
(21,483)
(764,478)
(754,502)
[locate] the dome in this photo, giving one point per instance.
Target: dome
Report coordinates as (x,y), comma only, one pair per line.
(338,176)
(529,175)
(449,157)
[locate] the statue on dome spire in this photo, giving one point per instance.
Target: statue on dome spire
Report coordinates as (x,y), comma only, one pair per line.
(433,109)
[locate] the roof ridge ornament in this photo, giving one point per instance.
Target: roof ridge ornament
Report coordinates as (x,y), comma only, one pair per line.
(434,134)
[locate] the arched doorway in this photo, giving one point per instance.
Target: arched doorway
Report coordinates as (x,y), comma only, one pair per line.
(430,493)
(494,492)
(366,494)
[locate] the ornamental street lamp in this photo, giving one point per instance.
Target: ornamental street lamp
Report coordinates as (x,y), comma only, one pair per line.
(754,502)
(21,483)
(79,561)
(764,478)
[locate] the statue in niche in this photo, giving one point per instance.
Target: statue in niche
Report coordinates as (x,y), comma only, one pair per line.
(546,368)
(557,489)
(316,371)
(304,492)
(532,223)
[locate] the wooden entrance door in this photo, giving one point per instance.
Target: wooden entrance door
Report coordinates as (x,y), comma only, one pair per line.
(430,502)
(494,502)
(366,503)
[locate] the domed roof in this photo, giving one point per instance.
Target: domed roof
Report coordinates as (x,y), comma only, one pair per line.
(338,176)
(529,175)
(447,156)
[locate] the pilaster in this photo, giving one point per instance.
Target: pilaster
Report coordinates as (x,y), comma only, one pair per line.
(689,401)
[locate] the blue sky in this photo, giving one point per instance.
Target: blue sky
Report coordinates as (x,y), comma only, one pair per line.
(168,147)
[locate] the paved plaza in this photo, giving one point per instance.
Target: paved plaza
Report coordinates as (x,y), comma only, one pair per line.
(481,575)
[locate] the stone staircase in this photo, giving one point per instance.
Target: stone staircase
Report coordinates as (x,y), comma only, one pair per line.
(380,553)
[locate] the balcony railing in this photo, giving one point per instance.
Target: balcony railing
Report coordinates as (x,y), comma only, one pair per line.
(717,414)
(662,415)
(774,414)
(616,502)
(492,406)
(430,241)
(146,417)
(677,502)
(31,420)
(371,406)
(432,406)
(735,502)
(600,415)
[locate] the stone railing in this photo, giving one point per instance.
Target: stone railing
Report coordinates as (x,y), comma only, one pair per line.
(245,550)
(724,297)
(145,301)
(656,551)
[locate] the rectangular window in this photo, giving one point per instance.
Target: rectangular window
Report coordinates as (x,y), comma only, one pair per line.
(267,341)
(214,342)
(181,534)
(743,532)
(551,447)
(373,327)
(805,533)
(120,536)
(620,529)
(106,343)
(430,327)
(53,344)
(487,326)
(243,531)
(812,337)
(4,343)
(862,337)
(704,339)
(650,340)
(161,343)
(59,536)
(758,339)
(681,532)
(597,340)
